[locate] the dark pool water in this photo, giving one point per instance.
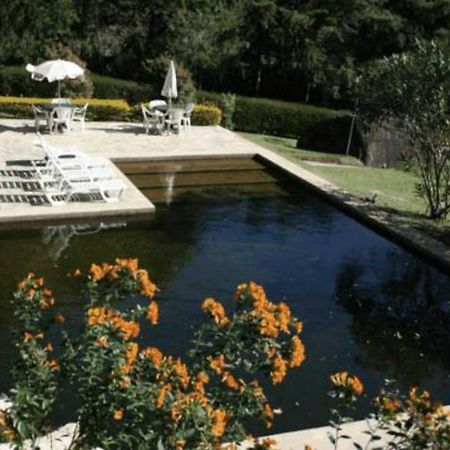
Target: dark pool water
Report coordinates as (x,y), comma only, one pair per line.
(368,306)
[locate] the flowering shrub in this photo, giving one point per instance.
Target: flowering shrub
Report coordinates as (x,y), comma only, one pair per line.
(411,422)
(137,397)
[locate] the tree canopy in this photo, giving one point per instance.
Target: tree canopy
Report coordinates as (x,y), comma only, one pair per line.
(293,49)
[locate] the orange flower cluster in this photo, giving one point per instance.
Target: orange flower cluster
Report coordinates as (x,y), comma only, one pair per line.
(217,364)
(112,272)
(160,400)
(199,383)
(230,381)
(271,318)
(279,370)
(216,311)
(297,352)
(152,313)
(35,290)
(388,405)
(219,422)
(100,315)
(351,383)
(154,355)
(148,289)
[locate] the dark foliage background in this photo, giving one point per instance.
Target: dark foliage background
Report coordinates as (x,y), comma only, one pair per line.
(300,50)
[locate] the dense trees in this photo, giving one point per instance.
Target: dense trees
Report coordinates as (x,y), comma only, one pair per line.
(296,49)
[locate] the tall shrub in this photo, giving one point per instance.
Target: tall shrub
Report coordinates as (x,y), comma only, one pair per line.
(411,91)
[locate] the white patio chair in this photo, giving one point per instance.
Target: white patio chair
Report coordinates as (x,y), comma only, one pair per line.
(62,117)
(186,119)
(173,120)
(152,119)
(40,114)
(78,115)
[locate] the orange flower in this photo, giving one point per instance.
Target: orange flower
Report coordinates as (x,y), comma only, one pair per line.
(102,341)
(152,312)
(279,370)
(219,422)
(27,337)
(53,365)
(49,347)
(160,400)
(284,317)
(216,311)
(154,355)
(200,381)
(148,289)
(182,373)
(96,272)
(118,415)
(388,405)
(128,329)
(297,352)
(229,381)
(217,364)
(344,380)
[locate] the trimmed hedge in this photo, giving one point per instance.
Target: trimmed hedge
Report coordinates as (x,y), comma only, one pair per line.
(102,110)
(99,109)
(107,87)
(274,117)
(206,115)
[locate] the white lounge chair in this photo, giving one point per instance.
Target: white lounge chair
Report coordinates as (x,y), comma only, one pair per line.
(79,115)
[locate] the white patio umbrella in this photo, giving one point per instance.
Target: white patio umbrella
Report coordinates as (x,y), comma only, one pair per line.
(169,89)
(55,70)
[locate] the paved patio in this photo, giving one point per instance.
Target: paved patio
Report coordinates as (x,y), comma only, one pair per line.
(114,140)
(123,140)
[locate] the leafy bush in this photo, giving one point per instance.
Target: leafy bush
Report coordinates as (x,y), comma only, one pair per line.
(274,117)
(228,105)
(206,115)
(134,397)
(401,422)
(99,109)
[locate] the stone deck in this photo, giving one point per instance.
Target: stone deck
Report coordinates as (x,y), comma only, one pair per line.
(118,142)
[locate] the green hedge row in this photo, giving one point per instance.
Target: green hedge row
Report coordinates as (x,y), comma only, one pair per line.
(274,117)
(132,92)
(16,81)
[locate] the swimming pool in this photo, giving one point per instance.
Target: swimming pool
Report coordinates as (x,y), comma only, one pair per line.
(368,306)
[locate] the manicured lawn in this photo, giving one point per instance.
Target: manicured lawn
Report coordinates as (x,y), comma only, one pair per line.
(395,188)
(287,148)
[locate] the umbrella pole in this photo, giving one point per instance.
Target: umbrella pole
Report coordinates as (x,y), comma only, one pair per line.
(59,88)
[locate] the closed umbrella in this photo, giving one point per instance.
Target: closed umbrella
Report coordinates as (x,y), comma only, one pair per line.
(169,89)
(55,70)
